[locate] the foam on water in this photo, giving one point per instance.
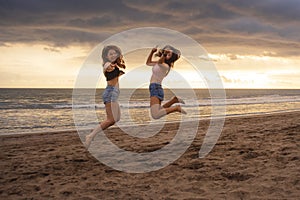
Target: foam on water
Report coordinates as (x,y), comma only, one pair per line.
(38,110)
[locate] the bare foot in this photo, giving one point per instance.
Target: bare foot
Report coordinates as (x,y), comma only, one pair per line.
(178,100)
(88,141)
(181,110)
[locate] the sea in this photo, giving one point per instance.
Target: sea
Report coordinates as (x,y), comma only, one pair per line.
(52,110)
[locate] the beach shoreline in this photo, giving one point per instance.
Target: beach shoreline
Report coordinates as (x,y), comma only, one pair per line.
(56,131)
(255,157)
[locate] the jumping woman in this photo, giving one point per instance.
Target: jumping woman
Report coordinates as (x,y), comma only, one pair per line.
(160,69)
(112,62)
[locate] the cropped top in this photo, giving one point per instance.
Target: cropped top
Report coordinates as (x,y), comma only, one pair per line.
(158,73)
(113,74)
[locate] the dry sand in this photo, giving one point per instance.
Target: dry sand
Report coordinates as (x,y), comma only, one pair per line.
(256,157)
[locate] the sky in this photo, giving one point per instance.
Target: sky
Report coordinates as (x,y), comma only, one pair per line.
(252,44)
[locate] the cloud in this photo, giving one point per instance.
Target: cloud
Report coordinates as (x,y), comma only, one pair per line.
(223,27)
(52,49)
(273,11)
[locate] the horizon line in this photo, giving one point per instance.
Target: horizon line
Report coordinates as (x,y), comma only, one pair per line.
(147,88)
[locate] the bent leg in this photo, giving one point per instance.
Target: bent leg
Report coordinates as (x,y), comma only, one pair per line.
(113,115)
(157,111)
(172,101)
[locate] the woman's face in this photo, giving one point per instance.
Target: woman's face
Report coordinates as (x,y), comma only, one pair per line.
(112,55)
(169,53)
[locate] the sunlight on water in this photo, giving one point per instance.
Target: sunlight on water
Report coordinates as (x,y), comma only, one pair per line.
(34,110)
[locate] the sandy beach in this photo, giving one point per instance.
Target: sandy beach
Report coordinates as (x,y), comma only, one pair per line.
(256,157)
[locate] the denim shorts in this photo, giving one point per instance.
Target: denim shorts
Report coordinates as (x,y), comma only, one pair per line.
(156,91)
(110,94)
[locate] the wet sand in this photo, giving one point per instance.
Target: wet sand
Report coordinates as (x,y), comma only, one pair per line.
(256,157)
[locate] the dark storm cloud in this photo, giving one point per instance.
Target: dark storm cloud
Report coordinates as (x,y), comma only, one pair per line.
(275,11)
(269,25)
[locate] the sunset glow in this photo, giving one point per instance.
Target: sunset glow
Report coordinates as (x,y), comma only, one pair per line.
(249,48)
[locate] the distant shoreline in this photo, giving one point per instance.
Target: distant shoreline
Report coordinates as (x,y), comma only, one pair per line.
(71,88)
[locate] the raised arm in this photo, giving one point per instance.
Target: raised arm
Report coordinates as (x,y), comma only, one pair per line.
(108,67)
(150,62)
(120,62)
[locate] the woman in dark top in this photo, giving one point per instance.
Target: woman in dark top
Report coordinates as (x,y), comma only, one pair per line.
(112,62)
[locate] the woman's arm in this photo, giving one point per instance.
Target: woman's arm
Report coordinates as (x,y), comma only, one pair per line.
(149,60)
(108,67)
(120,62)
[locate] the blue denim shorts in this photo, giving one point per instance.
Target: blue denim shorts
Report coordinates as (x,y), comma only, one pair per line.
(110,94)
(156,91)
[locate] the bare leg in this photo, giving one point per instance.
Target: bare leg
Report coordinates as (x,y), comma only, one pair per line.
(113,116)
(172,101)
(157,111)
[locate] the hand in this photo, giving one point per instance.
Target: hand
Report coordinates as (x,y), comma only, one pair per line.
(154,50)
(120,62)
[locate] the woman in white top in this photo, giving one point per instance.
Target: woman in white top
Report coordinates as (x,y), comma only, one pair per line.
(160,69)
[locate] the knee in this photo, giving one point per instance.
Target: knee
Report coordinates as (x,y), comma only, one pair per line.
(155,115)
(111,122)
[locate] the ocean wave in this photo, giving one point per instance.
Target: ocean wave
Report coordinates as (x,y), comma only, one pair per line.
(145,104)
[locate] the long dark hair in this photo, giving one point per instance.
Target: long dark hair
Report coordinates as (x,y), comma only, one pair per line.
(175,55)
(105,52)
